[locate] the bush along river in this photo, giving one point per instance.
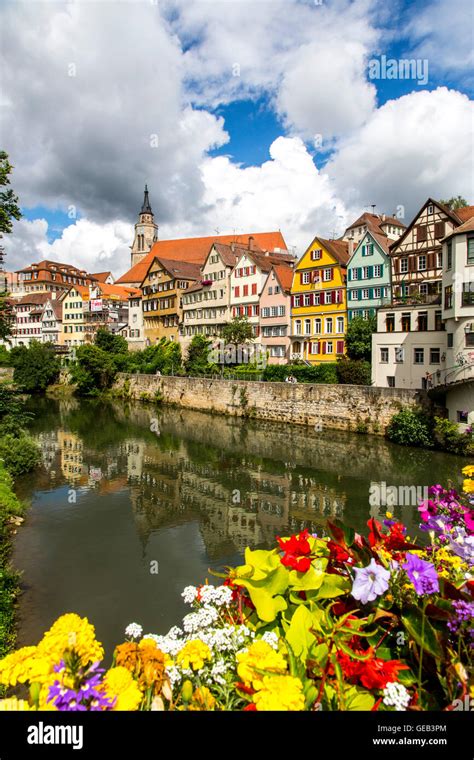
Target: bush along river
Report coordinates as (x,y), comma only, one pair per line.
(134,502)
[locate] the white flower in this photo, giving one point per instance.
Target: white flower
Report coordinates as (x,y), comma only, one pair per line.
(134,630)
(189,594)
(271,638)
(174,674)
(395,695)
(203,618)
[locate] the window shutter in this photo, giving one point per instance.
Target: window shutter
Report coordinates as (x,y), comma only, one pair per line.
(323,347)
(340,347)
(411,264)
(430,261)
(371,272)
(439,230)
(333,296)
(396,265)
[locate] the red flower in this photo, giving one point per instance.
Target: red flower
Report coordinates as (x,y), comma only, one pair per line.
(250,707)
(375,531)
(338,553)
(396,539)
(377,673)
(296,550)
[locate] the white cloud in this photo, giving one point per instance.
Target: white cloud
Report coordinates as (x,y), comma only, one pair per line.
(415,147)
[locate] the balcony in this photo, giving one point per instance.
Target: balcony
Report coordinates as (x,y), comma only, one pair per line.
(415,299)
(461,373)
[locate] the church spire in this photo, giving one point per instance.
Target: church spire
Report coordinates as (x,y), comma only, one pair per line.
(146,208)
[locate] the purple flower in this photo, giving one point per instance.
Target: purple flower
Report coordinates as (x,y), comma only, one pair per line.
(462,545)
(422,574)
(86,696)
(370,582)
(463,614)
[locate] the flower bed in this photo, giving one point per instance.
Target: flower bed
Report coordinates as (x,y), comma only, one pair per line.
(336,622)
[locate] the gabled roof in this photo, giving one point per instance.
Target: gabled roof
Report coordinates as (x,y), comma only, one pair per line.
(47,264)
(83,290)
(468,226)
(183,269)
(451,214)
(265,261)
(34,298)
(375,222)
(382,240)
(339,249)
(56,306)
(195,250)
(230,254)
(101,276)
(465,213)
(285,276)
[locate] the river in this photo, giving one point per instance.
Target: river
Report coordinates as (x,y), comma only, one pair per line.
(134,502)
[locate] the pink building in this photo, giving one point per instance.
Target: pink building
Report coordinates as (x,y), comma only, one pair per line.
(274,318)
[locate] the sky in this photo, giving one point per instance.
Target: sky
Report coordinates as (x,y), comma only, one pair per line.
(241,116)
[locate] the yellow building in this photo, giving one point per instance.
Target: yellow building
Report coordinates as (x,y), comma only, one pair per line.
(162,288)
(73,325)
(318,302)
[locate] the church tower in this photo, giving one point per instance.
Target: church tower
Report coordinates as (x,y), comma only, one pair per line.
(146,231)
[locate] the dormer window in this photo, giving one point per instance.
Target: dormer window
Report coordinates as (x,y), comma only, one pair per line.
(430,209)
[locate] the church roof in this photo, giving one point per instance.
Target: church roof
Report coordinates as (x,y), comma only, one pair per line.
(146,208)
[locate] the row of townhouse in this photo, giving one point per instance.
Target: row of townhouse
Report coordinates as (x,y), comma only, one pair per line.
(70,318)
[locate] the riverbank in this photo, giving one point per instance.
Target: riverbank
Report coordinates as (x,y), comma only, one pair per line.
(11,511)
(353,408)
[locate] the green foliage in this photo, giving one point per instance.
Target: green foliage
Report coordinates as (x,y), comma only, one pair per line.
(113,344)
(6,318)
(320,373)
(410,427)
(35,366)
(359,338)
(164,357)
(13,417)
(448,437)
(455,202)
(94,370)
(9,208)
(10,507)
(354,372)
(197,359)
(238,331)
(4,354)
(20,454)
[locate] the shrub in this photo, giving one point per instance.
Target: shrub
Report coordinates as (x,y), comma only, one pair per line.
(448,437)
(4,357)
(359,338)
(20,454)
(410,427)
(354,372)
(197,359)
(93,372)
(113,344)
(321,373)
(13,417)
(35,366)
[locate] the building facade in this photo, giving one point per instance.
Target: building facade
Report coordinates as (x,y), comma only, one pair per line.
(162,288)
(51,276)
(106,307)
(27,314)
(318,302)
(52,321)
(134,330)
(275,314)
(74,329)
(368,276)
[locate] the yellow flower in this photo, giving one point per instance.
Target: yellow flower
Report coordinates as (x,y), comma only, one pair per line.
(118,682)
(389,515)
(469,470)
(71,632)
(259,656)
(14,704)
(193,655)
(24,665)
(43,702)
(468,486)
(202,699)
(280,693)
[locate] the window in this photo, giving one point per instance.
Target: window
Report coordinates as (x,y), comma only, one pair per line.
(307,300)
(423,288)
(422,321)
(368,249)
(273,311)
(404,266)
(314,347)
(315,255)
(421,263)
(307,327)
(470,250)
(355,274)
(399,354)
(469,340)
(328,325)
(327,298)
(340,325)
(317,326)
(329,348)
(296,301)
(406,322)
(421,234)
(365,293)
(419,355)
(270,291)
(448,297)
(354,295)
(327,275)
(281,311)
(276,289)
(365,273)
(305,278)
(378,270)
(461,416)
(298,327)
(449,254)
(430,209)
(390,323)
(438,321)
(384,355)
(377,292)
(435,356)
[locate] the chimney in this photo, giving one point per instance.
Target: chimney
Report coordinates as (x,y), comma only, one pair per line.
(350,244)
(383,217)
(251,243)
(232,247)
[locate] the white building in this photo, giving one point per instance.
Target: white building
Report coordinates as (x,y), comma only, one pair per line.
(409,346)
(134,330)
(52,320)
(28,312)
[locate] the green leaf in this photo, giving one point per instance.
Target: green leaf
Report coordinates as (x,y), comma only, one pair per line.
(299,634)
(346,648)
(308,581)
(358,699)
(333,585)
(413,622)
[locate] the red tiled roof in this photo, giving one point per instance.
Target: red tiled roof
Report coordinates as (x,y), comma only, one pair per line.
(375,222)
(195,250)
(468,226)
(337,248)
(285,276)
(101,276)
(184,269)
(465,213)
(117,290)
(35,298)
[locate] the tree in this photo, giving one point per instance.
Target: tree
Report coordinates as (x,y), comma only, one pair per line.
(197,360)
(9,210)
(238,331)
(35,366)
(359,338)
(107,341)
(455,202)
(94,370)
(353,371)
(411,427)
(8,200)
